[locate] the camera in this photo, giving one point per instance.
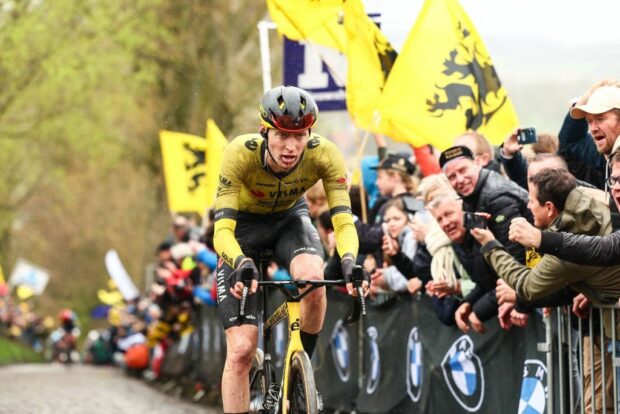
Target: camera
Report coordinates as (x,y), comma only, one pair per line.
(474,221)
(527,136)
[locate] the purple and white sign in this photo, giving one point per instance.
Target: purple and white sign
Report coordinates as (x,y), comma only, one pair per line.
(304,67)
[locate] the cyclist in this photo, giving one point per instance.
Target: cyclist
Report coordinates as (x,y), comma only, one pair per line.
(65,337)
(260,206)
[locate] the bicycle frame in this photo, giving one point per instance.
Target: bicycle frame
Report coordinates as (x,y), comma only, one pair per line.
(291,310)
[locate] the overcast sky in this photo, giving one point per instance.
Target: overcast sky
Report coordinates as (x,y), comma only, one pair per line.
(565,22)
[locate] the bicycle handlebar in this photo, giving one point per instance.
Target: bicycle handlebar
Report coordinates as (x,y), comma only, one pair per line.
(359,305)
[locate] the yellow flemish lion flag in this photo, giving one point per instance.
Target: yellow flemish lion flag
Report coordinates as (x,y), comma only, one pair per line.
(216,141)
(317,21)
(444,83)
(185,170)
(370,60)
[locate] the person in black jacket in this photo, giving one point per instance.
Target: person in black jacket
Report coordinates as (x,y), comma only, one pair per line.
(478,302)
(488,192)
(576,248)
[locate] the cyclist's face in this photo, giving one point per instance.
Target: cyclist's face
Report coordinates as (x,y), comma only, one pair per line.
(285,148)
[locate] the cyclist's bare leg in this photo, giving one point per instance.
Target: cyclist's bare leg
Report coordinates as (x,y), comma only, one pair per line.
(313,306)
(241,342)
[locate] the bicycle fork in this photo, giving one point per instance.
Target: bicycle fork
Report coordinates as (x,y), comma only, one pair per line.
(291,310)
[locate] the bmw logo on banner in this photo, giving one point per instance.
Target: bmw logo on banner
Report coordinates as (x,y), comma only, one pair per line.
(375,361)
(533,388)
(340,351)
(414,365)
(462,371)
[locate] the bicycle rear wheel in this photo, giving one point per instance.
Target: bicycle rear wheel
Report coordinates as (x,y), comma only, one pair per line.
(302,395)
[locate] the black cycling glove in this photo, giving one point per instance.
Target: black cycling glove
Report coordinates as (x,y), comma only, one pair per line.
(247,268)
(347,263)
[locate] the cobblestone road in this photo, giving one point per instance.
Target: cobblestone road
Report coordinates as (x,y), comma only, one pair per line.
(53,388)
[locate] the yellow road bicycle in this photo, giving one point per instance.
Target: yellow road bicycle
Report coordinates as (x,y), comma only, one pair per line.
(297,392)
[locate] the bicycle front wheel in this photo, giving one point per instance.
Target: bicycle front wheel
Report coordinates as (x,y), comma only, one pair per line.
(258,383)
(302,394)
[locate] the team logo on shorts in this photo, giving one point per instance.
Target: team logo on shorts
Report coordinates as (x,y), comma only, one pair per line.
(414,365)
(341,351)
(533,388)
(375,361)
(462,371)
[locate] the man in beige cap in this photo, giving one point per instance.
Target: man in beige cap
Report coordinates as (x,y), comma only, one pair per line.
(589,136)
(601,109)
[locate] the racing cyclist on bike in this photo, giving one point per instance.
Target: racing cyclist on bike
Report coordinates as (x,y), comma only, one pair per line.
(260,206)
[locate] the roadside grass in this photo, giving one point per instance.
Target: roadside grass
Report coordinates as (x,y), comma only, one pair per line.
(15,352)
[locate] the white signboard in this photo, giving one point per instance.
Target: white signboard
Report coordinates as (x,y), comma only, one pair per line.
(117,272)
(27,274)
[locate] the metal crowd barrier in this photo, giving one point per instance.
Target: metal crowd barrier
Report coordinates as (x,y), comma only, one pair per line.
(582,352)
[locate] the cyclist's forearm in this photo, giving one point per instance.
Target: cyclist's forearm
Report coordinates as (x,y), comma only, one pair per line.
(346,234)
(225,243)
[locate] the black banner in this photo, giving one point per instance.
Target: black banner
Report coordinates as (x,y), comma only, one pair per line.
(399,359)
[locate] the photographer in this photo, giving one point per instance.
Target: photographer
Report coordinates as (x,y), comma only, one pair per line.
(486,191)
(557,205)
(576,248)
(515,162)
(404,272)
(478,303)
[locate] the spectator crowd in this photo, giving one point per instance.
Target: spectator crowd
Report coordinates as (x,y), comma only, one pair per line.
(485,232)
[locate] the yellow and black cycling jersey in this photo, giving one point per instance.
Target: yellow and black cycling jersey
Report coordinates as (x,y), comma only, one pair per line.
(246,184)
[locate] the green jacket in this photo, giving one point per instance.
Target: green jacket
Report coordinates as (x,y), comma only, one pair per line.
(582,215)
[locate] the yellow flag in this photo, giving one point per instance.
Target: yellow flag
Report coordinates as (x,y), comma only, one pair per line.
(184,169)
(370,58)
(216,141)
(317,21)
(444,83)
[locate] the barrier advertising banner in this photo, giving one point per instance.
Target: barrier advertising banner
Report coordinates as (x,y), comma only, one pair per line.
(398,359)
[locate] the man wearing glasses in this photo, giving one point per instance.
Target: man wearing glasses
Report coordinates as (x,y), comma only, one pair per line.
(260,206)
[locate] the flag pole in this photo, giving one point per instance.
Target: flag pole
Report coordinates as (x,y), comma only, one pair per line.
(265,56)
(358,162)
(363,196)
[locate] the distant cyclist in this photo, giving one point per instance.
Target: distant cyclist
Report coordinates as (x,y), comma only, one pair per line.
(64,339)
(260,206)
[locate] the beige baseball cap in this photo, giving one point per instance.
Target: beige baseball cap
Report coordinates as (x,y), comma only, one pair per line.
(603,99)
